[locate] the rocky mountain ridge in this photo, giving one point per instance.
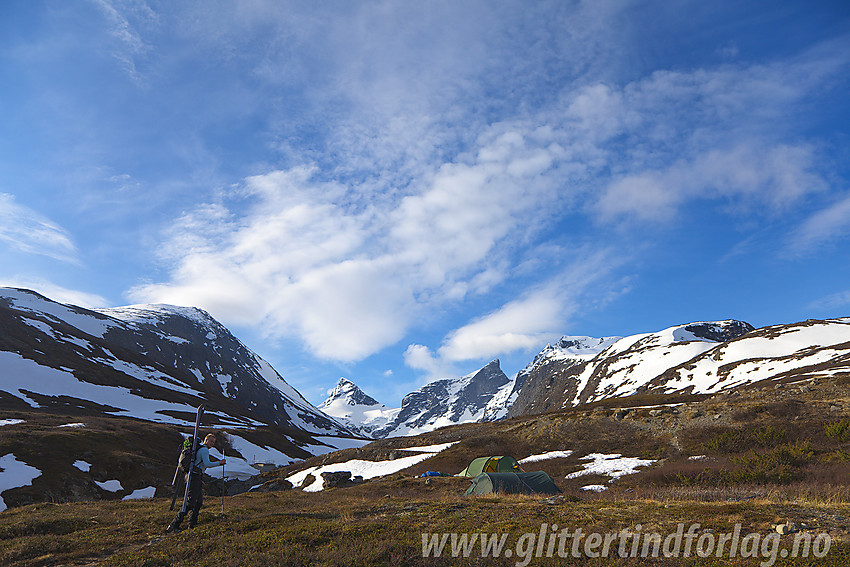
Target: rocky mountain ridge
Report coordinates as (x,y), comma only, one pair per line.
(436,404)
(696,358)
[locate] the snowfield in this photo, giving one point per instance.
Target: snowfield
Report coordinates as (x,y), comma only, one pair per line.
(52,382)
(110,485)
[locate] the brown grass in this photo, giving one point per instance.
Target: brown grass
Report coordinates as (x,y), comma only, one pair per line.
(771,455)
(379,523)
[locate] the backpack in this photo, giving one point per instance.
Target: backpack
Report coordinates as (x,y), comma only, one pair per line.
(183,463)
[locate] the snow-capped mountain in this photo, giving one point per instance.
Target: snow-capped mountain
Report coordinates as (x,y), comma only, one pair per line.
(94,403)
(566,352)
(153,362)
(360,413)
(704,357)
(779,353)
(437,404)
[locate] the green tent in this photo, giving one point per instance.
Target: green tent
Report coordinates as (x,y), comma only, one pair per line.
(537,482)
(490,464)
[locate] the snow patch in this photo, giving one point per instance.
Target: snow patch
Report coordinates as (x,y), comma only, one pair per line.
(430,448)
(82,465)
(15,474)
(110,485)
(613,465)
(141,494)
(52,382)
(332,444)
(242,468)
(545,456)
(357,467)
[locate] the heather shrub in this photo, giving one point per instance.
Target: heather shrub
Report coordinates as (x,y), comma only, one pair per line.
(781,464)
(838,430)
(725,440)
(768,435)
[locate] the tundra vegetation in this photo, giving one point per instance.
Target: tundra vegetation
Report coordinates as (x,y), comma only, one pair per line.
(762,457)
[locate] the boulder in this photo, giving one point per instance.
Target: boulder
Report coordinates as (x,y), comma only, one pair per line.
(337,479)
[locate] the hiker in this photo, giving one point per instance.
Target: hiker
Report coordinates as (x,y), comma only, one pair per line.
(196,487)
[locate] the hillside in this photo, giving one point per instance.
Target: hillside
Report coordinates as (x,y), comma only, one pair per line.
(93,404)
(705,357)
(756,460)
(115,388)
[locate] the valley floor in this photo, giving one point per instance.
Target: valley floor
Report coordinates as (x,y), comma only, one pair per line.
(405,521)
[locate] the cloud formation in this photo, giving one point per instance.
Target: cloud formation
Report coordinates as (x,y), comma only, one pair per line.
(348,263)
(822,228)
(413,174)
(33,233)
(305,258)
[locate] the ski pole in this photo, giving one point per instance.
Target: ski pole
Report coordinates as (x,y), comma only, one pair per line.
(223,485)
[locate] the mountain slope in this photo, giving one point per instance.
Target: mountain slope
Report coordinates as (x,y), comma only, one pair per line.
(566,353)
(704,357)
(94,402)
(151,362)
(778,353)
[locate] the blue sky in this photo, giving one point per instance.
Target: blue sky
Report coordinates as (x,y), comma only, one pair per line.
(395,192)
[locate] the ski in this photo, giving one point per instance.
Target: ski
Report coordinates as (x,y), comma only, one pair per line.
(176,484)
(192,457)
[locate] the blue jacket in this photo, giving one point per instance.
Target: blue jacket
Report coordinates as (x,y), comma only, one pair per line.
(202,459)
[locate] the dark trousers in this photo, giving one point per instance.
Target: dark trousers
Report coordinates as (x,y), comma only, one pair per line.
(193,506)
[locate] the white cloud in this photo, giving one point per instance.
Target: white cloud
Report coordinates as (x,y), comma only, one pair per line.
(420,357)
(529,322)
(524,324)
(128,41)
(348,265)
(301,257)
(31,232)
(821,228)
(836,301)
(754,177)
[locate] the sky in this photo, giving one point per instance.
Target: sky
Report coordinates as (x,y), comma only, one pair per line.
(396,192)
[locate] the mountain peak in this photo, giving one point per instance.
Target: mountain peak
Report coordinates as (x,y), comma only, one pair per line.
(361,413)
(347,393)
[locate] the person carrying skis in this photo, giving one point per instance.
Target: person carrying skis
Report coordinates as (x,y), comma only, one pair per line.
(196,492)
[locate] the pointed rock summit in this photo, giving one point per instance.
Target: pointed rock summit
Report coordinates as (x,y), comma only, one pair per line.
(348,393)
(361,413)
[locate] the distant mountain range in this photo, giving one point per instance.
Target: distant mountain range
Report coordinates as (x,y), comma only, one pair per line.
(159,362)
(701,357)
(440,403)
